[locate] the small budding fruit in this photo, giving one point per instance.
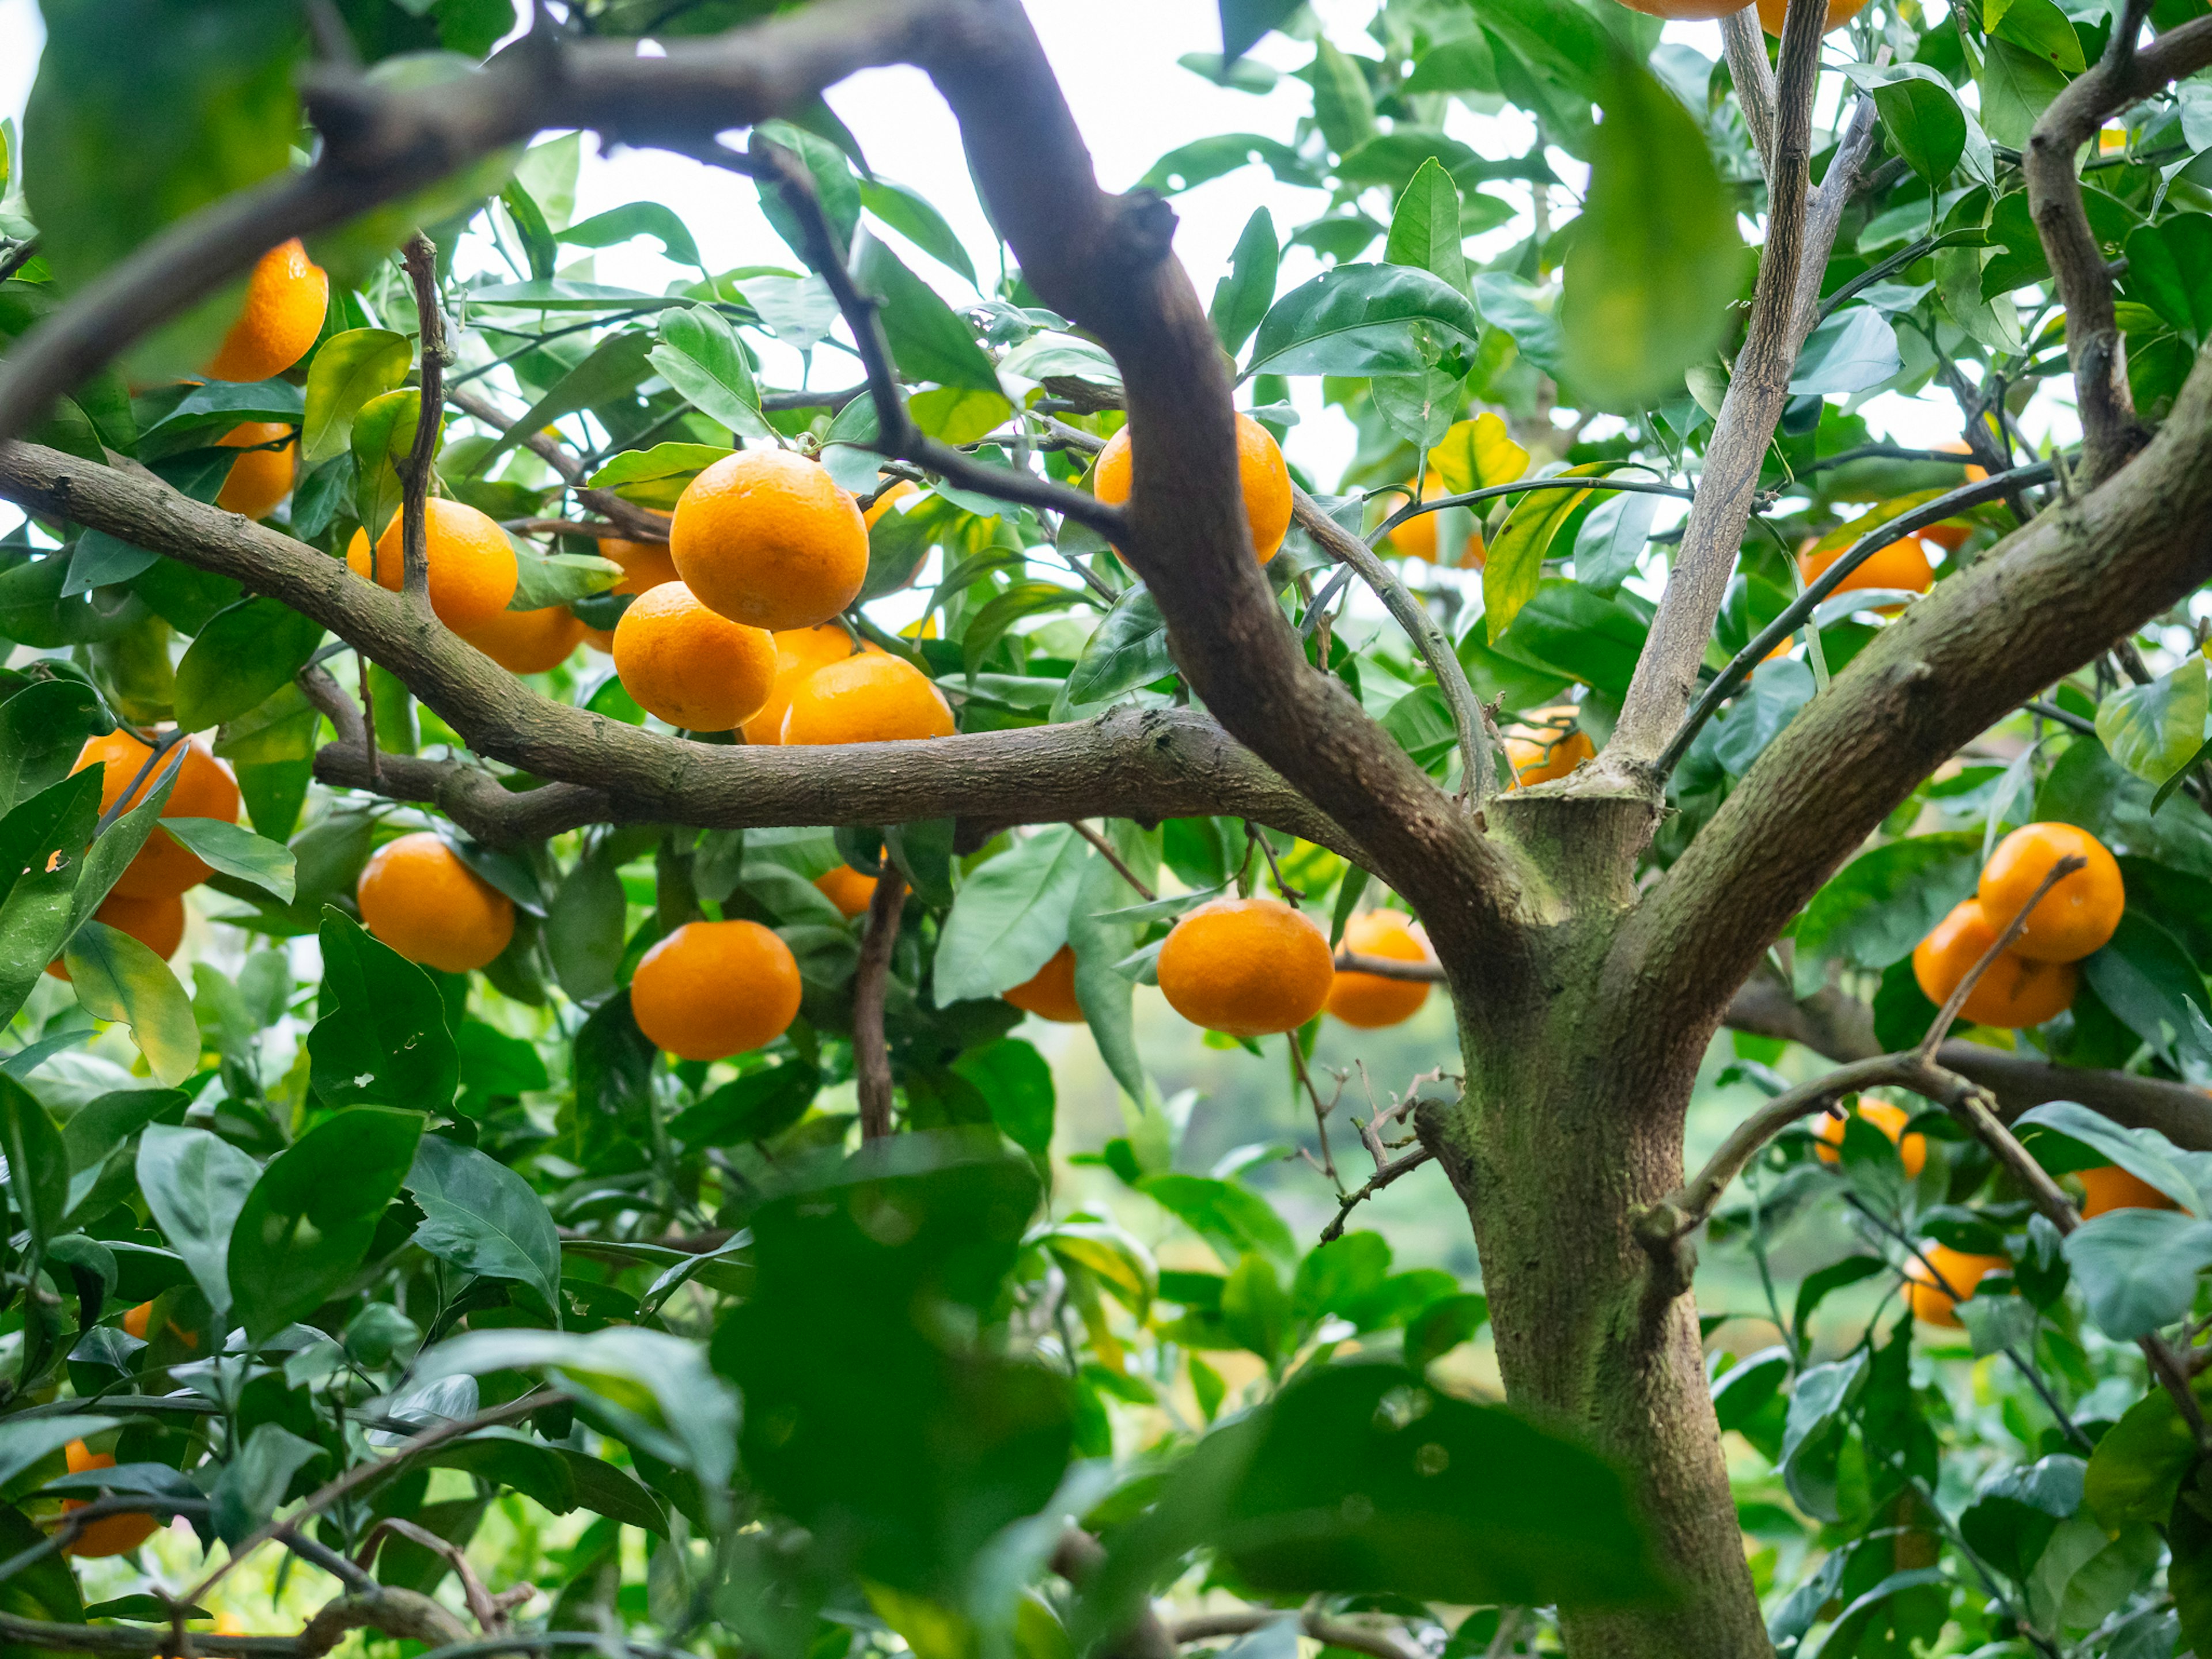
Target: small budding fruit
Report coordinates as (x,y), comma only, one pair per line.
(157,923)
(472,569)
(1249,967)
(1551,747)
(1912,1149)
(2111,1188)
(1259,467)
(1934,1297)
(417,897)
(205,789)
(846,888)
(2078,916)
(113,1534)
(1416,538)
(529,641)
(2015,993)
(260,478)
(1368,1001)
(1049,993)
(693,667)
(871,698)
(712,989)
(1902,567)
(799,653)
(1840,12)
(285,298)
(768,538)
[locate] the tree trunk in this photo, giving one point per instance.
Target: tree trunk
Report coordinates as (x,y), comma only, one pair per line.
(1569,1124)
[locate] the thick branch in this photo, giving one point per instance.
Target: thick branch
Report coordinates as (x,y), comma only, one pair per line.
(1745,43)
(1330,1633)
(2111,431)
(421,258)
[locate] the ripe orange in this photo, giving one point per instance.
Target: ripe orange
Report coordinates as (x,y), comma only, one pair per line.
(1550,747)
(1772,12)
(2111,1188)
(114,1534)
(1266,479)
(2015,993)
(135,1321)
(157,923)
(1249,967)
(203,789)
(1960,1272)
(2075,917)
(1912,1150)
(417,897)
(1902,565)
(889,499)
(1416,538)
(799,653)
(712,989)
(472,569)
(768,538)
(846,888)
(871,698)
(285,298)
(260,478)
(528,641)
(692,666)
(1049,993)
(1369,1000)
(1975,471)
(1684,11)
(645,565)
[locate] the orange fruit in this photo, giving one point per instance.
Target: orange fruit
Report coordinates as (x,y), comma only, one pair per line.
(799,653)
(1772,12)
(1551,747)
(1902,565)
(692,666)
(472,569)
(1369,1000)
(712,989)
(883,503)
(417,897)
(1049,993)
(645,565)
(1684,11)
(157,923)
(2075,917)
(1912,1150)
(2016,992)
(768,538)
(846,888)
(871,698)
(135,1321)
(1249,967)
(1959,1272)
(1266,479)
(528,641)
(203,789)
(1975,473)
(1416,538)
(114,1534)
(260,478)
(285,298)
(2111,1188)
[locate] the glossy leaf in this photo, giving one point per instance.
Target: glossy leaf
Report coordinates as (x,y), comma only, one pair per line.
(928,340)
(195,1183)
(483,1218)
(699,356)
(2138,1267)
(1242,298)
(1363,319)
(1010,915)
(38,1164)
(246,653)
(910,213)
(349,370)
(1920,113)
(116,977)
(1878,906)
(381,1037)
(1516,562)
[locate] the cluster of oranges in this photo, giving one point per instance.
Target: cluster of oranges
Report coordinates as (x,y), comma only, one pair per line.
(2035,978)
(147,899)
(1253,967)
(282,315)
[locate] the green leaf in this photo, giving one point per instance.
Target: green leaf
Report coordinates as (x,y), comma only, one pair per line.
(835,187)
(1013,1077)
(1243,22)
(1128,649)
(1203,160)
(1242,298)
(238,852)
(699,354)
(631,220)
(2170,270)
(195,1183)
(2154,729)
(956,415)
(758,1105)
(382,1035)
(254,1482)
(927,338)
(1107,997)
(1584,635)
(43,729)
(615,367)
(1655,255)
(38,1164)
(1854,349)
(348,370)
(1228,1216)
(1879,906)
(116,977)
(2017,86)
(2015,1511)
(483,1218)
(543,579)
(1362,320)
(2140,1463)
(2138,1268)
(1425,229)
(2040,28)
(908,212)
(1343,108)
(245,654)
(53,827)
(2145,977)
(656,477)
(307,1225)
(1920,112)
(382,439)
(1515,565)
(1010,915)
(584,930)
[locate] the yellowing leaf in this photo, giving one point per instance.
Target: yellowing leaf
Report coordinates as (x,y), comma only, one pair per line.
(1517,557)
(1476,454)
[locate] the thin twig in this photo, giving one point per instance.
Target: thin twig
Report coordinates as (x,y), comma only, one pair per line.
(1330,1633)
(367,721)
(489,1618)
(1106,851)
(1940,1027)
(421,259)
(1252,835)
(1352,962)
(1395,1170)
(871,1060)
(1321,1108)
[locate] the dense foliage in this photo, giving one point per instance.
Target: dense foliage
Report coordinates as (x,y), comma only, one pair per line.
(674,1348)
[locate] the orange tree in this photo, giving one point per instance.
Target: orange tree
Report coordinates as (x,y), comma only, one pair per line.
(656,1151)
